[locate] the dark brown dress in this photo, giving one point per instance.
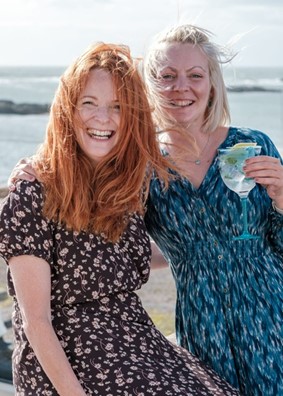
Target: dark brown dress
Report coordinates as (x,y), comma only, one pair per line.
(110,341)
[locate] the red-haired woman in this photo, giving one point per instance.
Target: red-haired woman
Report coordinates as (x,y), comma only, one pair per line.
(77,247)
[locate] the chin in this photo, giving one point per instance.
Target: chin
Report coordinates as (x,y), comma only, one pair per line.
(183,121)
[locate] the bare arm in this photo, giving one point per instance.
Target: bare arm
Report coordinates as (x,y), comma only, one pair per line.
(31,277)
(157,261)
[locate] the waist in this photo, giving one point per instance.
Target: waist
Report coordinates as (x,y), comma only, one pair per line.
(125,305)
(239,248)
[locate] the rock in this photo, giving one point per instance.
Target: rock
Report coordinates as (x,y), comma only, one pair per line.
(9,107)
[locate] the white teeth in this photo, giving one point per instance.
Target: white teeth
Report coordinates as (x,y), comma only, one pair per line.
(181,103)
(99,134)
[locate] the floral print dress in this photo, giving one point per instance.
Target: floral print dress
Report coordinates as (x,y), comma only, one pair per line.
(229,309)
(111,343)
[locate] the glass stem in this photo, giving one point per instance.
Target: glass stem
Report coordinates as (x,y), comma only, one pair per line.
(245,215)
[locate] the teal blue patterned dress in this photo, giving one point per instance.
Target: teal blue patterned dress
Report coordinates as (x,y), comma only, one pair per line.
(229,309)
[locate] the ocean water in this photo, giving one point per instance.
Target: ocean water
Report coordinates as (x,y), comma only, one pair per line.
(256,102)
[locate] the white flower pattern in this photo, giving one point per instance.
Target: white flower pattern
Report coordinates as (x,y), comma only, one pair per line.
(111,343)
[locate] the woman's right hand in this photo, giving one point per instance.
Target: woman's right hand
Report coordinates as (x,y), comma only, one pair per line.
(23,171)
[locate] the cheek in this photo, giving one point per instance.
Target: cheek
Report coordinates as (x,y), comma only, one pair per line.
(166,94)
(79,121)
(79,130)
(117,120)
(208,90)
(166,89)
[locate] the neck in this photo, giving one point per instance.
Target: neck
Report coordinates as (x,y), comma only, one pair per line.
(191,142)
(194,148)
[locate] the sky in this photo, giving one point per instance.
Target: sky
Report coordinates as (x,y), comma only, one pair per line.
(55,32)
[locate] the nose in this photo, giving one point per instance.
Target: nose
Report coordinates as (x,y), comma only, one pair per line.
(181,83)
(102,114)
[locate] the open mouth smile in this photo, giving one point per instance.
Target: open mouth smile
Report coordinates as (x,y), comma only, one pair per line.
(100,135)
(181,103)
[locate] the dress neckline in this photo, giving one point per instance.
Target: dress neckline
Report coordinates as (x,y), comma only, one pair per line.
(228,141)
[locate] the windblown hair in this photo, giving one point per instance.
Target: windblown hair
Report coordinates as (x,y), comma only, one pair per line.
(217,112)
(99,197)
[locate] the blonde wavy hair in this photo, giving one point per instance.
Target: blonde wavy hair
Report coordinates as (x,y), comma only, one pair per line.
(217,112)
(99,197)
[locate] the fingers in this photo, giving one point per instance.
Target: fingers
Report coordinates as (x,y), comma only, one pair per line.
(19,174)
(264,166)
(24,160)
(263,162)
(11,187)
(268,172)
(267,178)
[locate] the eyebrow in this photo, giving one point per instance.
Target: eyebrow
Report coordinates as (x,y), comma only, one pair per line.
(94,97)
(190,69)
(88,96)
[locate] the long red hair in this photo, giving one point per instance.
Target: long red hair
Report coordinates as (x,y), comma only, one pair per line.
(99,197)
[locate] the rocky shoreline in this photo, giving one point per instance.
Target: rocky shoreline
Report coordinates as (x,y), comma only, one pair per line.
(252,88)
(10,107)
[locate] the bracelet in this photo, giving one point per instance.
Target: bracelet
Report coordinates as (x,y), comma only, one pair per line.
(277,209)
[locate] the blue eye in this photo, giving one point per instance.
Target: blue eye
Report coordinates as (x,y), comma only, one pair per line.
(196,75)
(167,77)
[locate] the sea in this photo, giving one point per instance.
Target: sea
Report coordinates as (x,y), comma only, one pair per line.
(255,95)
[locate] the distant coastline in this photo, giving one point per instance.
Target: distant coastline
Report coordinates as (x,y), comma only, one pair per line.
(255,97)
(10,107)
(253,88)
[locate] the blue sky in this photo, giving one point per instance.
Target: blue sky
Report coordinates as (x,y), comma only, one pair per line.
(55,32)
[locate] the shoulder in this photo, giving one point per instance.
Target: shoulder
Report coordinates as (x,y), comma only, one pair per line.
(26,196)
(249,133)
(23,228)
(27,189)
(242,134)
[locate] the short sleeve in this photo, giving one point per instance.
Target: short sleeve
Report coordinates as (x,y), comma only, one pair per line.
(23,228)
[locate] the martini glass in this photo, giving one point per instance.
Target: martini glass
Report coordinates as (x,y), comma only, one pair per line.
(231,162)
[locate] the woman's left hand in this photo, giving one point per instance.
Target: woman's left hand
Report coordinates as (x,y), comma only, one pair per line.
(267,171)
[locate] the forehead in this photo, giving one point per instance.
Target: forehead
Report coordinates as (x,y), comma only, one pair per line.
(100,82)
(178,55)
(99,76)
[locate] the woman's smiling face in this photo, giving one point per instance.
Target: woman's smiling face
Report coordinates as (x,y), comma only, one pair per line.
(99,113)
(185,83)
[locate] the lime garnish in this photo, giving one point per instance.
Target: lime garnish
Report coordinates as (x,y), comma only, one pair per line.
(231,160)
(242,145)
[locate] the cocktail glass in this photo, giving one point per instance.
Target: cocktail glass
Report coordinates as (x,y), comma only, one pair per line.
(231,162)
